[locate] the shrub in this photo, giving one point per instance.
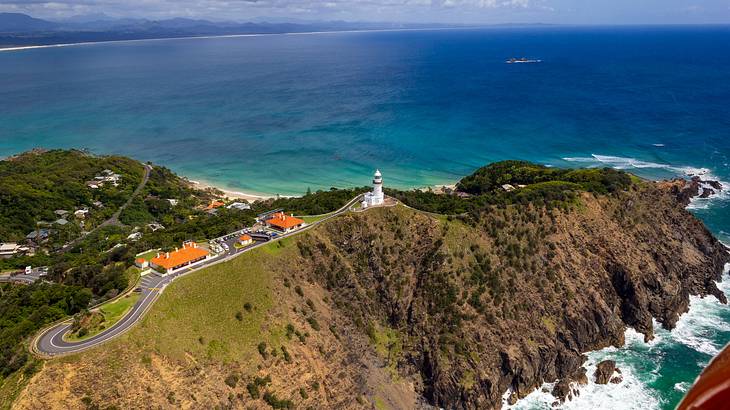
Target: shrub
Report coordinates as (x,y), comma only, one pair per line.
(313,322)
(232,380)
(303,393)
(299,291)
(239,316)
(262,350)
(290,330)
(247,306)
(277,403)
(253,390)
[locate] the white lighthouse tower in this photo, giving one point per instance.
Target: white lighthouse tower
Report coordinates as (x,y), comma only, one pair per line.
(376,197)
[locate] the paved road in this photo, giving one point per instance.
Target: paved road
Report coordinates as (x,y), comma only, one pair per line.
(50,341)
(114,219)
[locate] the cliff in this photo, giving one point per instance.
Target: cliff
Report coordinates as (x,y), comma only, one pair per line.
(516,299)
(397,308)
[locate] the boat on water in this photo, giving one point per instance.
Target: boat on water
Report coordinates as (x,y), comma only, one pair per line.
(522,60)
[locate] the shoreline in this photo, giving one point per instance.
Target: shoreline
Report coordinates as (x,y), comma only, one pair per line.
(247,196)
(301,33)
(253,197)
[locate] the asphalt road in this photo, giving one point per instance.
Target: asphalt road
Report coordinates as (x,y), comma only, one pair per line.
(50,341)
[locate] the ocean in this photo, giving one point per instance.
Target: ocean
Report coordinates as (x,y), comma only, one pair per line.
(282,113)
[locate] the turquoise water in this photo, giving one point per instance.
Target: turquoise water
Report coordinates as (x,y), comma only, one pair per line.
(279,114)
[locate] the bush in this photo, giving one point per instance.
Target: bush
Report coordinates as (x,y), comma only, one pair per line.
(239,316)
(232,380)
(247,306)
(313,322)
(299,291)
(277,403)
(262,350)
(253,390)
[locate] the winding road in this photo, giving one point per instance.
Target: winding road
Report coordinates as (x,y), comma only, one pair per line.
(50,342)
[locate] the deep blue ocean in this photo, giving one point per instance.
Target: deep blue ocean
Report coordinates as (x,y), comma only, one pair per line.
(283,113)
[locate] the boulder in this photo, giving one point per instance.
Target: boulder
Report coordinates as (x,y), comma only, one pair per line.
(604,371)
(562,390)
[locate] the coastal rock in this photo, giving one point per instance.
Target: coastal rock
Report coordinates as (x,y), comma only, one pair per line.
(604,371)
(685,190)
(581,378)
(616,380)
(562,390)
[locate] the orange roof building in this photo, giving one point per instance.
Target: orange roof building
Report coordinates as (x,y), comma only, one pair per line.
(284,222)
(214,205)
(245,239)
(141,262)
(189,254)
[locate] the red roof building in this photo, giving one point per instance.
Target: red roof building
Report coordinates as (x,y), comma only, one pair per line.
(170,261)
(283,222)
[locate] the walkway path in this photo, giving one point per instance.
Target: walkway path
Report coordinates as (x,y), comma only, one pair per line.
(50,342)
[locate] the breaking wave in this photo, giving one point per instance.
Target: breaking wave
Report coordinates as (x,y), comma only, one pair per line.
(695,329)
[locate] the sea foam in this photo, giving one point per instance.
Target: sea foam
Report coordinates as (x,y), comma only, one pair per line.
(694,330)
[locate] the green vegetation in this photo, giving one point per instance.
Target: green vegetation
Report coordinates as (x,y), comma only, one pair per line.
(33,185)
(387,343)
(26,309)
(318,203)
(491,177)
(108,315)
(277,403)
(254,386)
(536,184)
(184,321)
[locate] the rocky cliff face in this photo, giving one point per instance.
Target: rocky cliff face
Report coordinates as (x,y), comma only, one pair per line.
(514,298)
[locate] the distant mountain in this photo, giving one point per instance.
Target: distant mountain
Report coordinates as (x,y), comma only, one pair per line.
(17,22)
(22,30)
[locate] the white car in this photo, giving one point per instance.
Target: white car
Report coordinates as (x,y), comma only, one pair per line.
(28,270)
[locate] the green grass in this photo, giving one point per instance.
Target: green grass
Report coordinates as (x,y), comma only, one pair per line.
(313,219)
(388,345)
(380,404)
(148,255)
(113,312)
(184,321)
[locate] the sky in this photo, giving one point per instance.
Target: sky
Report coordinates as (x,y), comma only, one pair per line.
(407,11)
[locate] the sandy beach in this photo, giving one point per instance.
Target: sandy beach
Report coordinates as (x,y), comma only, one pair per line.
(230,194)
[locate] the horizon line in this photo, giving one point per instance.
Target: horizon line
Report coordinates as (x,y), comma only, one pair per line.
(462,27)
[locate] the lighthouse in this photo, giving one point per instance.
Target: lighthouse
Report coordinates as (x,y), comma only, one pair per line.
(375,197)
